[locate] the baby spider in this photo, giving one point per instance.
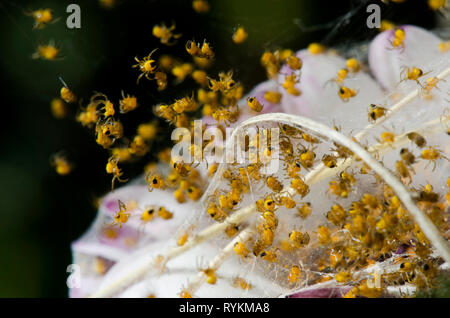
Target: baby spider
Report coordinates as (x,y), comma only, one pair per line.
(47,52)
(209,273)
(294,62)
(184,236)
(290,131)
(341,75)
(429,84)
(403,170)
(407,156)
(165,35)
(127,103)
(197,50)
(102,99)
(121,216)
(412,74)
(304,210)
(41,17)
(432,154)
(398,42)
(316,48)
(353,65)
(147,66)
(254,104)
(164,213)
(417,139)
(224,83)
(307,157)
(231,230)
(216,212)
(289,85)
(346,93)
(386,137)
(274,184)
(113,168)
(200,6)
(154,181)
(299,239)
(185,293)
(336,215)
(273,97)
(269,256)
(438,5)
(148,214)
(240,35)
(59,108)
(329,160)
(62,166)
(444,46)
(66,94)
(241,250)
(376,112)
(295,274)
(161,80)
(239,282)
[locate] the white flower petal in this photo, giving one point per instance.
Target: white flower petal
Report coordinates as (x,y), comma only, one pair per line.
(122,241)
(421,50)
(319,99)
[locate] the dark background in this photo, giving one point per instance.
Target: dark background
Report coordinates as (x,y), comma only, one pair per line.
(41,212)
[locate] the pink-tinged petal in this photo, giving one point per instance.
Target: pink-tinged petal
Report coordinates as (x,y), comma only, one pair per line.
(319,97)
(420,50)
(93,261)
(88,285)
(113,245)
(125,237)
(111,206)
(96,253)
(106,243)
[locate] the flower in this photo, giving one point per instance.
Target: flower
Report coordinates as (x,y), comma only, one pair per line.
(141,259)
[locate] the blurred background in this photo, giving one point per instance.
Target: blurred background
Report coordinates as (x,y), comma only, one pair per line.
(41,213)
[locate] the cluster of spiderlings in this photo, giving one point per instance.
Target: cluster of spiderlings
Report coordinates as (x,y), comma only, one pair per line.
(272,62)
(348,229)
(216,97)
(299,246)
(184,179)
